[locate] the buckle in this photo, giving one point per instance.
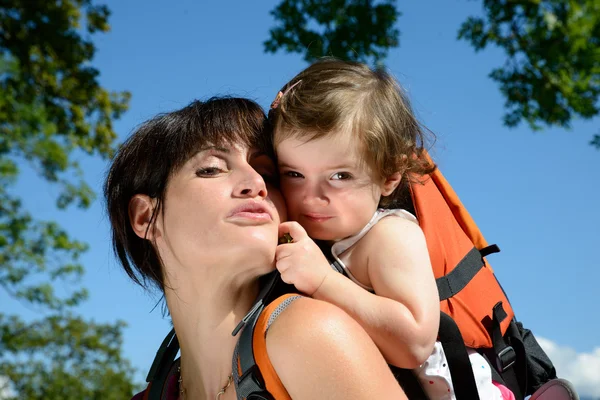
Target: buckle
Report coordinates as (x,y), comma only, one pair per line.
(250,382)
(506,358)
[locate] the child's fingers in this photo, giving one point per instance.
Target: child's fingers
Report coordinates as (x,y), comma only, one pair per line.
(294,229)
(283,251)
(282,266)
(286,277)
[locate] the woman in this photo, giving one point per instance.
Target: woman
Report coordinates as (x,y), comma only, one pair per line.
(194,211)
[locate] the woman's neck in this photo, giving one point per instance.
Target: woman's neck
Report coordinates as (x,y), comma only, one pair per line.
(204,320)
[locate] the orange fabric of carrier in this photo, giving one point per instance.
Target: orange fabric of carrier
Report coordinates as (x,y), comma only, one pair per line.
(259,343)
(451,233)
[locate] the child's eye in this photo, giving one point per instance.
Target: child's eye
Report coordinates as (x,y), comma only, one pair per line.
(208,171)
(293,174)
(339,176)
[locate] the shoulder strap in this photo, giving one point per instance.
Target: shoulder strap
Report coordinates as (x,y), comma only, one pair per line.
(461,371)
(159,372)
(247,377)
(254,375)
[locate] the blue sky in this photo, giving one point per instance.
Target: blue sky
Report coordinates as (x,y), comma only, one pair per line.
(532,193)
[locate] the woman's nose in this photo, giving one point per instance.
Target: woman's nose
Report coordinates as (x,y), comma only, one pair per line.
(251,185)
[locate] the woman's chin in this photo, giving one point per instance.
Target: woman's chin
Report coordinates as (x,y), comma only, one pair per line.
(258,245)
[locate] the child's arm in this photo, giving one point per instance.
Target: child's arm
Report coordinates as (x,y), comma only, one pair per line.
(402,319)
(404,315)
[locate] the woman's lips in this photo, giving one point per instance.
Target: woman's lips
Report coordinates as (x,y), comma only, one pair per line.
(251,211)
(257,216)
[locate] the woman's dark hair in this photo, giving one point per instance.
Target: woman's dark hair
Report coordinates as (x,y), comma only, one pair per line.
(158,149)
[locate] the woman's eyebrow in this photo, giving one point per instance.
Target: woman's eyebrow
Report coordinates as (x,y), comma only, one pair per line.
(207,148)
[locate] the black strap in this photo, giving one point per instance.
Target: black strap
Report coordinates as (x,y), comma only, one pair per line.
(459,364)
(510,361)
(250,381)
(409,383)
(250,384)
(271,282)
(491,249)
(162,365)
(452,283)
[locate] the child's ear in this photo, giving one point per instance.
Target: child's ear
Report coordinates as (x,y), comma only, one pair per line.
(391,183)
(141,208)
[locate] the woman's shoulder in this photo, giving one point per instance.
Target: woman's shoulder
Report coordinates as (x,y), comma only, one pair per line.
(298,319)
(294,330)
(324,340)
(297,315)
(306,329)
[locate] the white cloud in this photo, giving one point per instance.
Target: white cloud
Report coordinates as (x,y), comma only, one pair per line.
(581,369)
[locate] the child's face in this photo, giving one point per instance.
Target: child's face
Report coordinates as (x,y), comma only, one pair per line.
(328,190)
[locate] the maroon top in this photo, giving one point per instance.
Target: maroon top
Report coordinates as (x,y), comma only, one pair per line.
(171,388)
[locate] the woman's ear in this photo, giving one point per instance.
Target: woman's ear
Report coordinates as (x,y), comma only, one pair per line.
(391,183)
(141,208)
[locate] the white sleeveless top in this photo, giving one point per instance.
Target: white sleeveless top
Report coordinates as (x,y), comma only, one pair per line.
(341,246)
(434,373)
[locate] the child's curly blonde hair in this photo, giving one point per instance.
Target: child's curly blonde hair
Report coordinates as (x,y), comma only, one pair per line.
(333,96)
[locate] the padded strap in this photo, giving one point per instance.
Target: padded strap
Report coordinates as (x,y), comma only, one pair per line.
(452,283)
(250,380)
(161,366)
(272,281)
(250,384)
(461,370)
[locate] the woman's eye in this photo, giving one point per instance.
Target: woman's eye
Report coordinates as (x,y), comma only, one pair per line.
(208,171)
(292,174)
(338,176)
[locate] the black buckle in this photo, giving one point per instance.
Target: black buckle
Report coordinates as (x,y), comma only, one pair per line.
(250,382)
(506,359)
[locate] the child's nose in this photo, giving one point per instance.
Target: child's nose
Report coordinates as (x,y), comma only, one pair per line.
(314,196)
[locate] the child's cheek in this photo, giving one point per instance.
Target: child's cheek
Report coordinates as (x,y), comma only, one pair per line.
(290,194)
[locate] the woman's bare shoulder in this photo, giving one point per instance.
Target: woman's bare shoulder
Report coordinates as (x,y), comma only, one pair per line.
(306,315)
(319,351)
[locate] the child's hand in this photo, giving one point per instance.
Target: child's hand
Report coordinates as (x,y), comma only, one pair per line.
(301,263)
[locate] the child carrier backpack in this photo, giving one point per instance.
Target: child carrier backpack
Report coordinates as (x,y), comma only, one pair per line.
(475,312)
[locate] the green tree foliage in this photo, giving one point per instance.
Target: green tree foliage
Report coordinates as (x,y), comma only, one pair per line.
(360,30)
(53,110)
(552,69)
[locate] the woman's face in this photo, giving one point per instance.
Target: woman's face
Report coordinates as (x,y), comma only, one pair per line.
(221,209)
